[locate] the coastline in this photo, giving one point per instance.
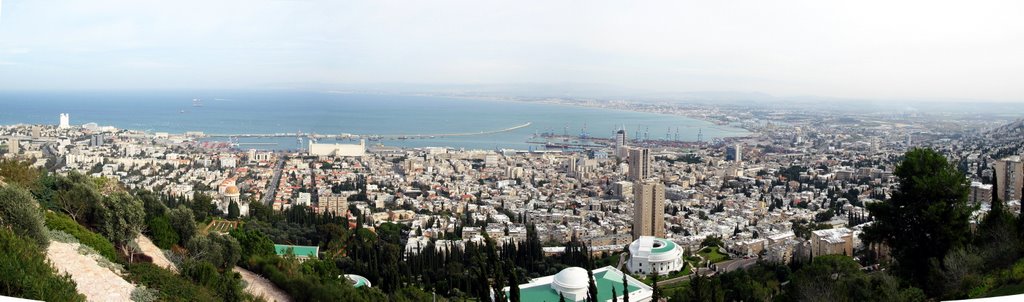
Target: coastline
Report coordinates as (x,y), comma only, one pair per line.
(616,105)
(482,122)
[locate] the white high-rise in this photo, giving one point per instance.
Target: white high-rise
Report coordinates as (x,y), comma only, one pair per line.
(621,147)
(65,121)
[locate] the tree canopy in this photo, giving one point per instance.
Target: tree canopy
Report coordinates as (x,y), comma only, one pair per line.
(21,213)
(927,215)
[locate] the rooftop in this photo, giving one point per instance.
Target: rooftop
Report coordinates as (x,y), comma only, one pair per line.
(833,235)
(297,250)
(605,278)
(358,281)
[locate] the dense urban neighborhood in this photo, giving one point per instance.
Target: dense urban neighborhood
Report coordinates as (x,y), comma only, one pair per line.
(174,216)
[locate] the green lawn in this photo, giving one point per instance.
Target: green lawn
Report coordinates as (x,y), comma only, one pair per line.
(712,254)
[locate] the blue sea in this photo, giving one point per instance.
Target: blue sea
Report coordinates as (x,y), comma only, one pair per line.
(278,111)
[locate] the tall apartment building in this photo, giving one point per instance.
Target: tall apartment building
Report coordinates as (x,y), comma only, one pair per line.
(13,147)
(336,204)
(648,209)
(621,145)
(1009,178)
(639,164)
(734,153)
(980,193)
(65,121)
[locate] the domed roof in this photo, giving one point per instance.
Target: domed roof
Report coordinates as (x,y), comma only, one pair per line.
(231,190)
(571,278)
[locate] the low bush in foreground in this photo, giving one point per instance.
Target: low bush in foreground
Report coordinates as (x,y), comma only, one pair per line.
(59,222)
(27,274)
(170,287)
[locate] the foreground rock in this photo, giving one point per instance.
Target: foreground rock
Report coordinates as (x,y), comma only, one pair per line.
(97,283)
(159,258)
(261,287)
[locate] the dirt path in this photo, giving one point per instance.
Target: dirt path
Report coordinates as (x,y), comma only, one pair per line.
(261,287)
(154,252)
(95,282)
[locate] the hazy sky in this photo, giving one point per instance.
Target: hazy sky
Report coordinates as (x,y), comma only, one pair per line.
(858,49)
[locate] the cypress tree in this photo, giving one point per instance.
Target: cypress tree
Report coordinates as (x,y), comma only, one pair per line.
(592,289)
(656,292)
(995,194)
(514,286)
(625,289)
(1020,216)
(233,210)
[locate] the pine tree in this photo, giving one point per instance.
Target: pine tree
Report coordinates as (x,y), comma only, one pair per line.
(926,217)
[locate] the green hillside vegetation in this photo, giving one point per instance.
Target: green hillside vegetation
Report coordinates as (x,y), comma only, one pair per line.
(27,274)
(60,222)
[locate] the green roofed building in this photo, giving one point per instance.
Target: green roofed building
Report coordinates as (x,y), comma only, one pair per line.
(300,251)
(358,281)
(654,255)
(572,283)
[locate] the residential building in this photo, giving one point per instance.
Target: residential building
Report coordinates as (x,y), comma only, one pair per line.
(980,193)
(639,164)
(1009,178)
(336,204)
(648,209)
(838,241)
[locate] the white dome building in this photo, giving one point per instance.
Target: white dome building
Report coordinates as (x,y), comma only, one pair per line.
(232,194)
(572,283)
(654,255)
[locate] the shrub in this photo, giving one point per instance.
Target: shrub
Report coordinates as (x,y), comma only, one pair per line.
(61,236)
(27,274)
(308,287)
(183,222)
(21,212)
(143,294)
(164,236)
(60,222)
(169,286)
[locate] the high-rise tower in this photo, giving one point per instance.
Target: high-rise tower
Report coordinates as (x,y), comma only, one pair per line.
(648,208)
(639,164)
(65,121)
(1009,178)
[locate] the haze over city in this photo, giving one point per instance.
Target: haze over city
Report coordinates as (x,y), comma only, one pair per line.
(512,151)
(903,50)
